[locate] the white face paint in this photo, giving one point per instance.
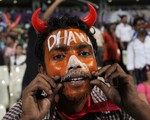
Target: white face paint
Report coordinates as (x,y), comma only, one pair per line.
(67,36)
(74,62)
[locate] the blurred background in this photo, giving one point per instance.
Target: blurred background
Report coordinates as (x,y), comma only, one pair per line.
(18,65)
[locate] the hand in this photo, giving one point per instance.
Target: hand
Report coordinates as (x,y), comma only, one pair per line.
(121,90)
(34,108)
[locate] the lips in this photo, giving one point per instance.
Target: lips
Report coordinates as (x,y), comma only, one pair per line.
(75,76)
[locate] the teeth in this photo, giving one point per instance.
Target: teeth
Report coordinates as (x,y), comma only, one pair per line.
(79,78)
(72,73)
(74,79)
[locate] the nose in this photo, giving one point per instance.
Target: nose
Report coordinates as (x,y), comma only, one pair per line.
(74,67)
(74,63)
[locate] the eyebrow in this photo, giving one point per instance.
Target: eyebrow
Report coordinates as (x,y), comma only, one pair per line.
(67,48)
(81,46)
(60,48)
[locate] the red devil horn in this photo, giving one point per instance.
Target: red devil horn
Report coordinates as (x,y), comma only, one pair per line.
(91,17)
(39,25)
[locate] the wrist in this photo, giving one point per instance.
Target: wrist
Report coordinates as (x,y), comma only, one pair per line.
(138,109)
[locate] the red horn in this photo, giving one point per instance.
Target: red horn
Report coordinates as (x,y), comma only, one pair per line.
(39,25)
(91,17)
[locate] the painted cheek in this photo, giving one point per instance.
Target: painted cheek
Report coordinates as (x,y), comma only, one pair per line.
(92,65)
(54,68)
(58,68)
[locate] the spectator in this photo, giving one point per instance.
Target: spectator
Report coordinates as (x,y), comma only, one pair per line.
(9,49)
(19,58)
(144,87)
(124,34)
(138,52)
(111,50)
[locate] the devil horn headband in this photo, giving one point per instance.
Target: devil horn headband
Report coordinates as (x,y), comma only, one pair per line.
(40,26)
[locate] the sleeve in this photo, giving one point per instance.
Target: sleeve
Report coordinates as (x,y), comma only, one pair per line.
(130,56)
(15,112)
(141,88)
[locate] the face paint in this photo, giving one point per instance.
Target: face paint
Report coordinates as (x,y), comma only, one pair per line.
(67,37)
(69,54)
(75,62)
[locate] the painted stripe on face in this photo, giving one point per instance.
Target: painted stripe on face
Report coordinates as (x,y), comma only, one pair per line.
(68,37)
(74,62)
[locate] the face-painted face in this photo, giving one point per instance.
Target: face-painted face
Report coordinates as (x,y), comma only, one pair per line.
(69,54)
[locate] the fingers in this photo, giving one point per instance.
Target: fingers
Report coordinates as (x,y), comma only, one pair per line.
(48,79)
(41,82)
(101,71)
(115,75)
(108,71)
(38,84)
(55,91)
(114,68)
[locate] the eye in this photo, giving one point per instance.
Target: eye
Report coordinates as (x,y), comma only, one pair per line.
(59,57)
(84,54)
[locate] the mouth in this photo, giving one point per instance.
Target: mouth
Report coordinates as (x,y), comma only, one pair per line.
(75,76)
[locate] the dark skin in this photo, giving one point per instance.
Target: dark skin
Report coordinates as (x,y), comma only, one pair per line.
(34,108)
(121,94)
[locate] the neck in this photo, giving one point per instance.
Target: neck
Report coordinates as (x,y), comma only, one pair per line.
(70,107)
(141,36)
(124,23)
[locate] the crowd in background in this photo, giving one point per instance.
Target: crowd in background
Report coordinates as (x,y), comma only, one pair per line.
(118,42)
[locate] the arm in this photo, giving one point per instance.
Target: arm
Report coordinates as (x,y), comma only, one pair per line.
(140,110)
(122,91)
(51,9)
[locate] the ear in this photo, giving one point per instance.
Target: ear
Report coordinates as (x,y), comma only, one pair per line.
(41,69)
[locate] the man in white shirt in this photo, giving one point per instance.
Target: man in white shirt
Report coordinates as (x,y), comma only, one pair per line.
(138,51)
(124,34)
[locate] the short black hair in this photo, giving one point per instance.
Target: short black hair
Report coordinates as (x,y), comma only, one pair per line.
(64,22)
(122,16)
(138,19)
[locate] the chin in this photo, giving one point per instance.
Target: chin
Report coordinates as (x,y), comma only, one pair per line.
(76,94)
